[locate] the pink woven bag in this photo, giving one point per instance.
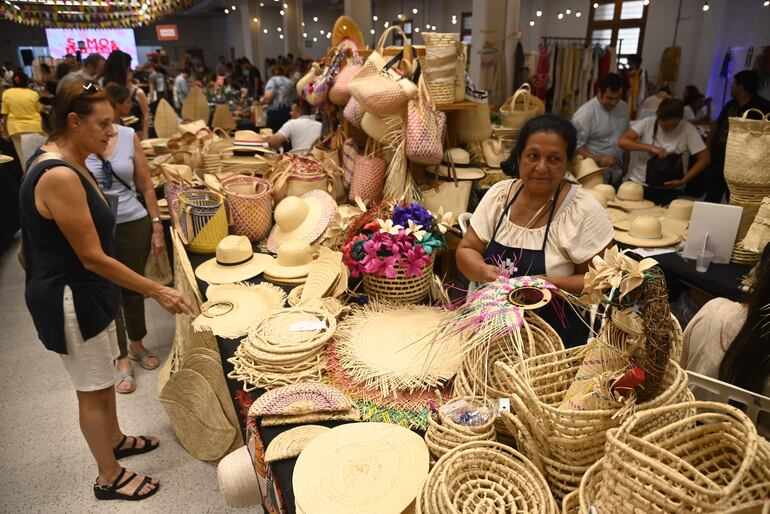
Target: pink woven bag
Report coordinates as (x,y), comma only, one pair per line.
(424,129)
(354,113)
(350,154)
(368,178)
(250,204)
(339,94)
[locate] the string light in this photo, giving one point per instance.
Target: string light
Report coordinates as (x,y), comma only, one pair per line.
(322,32)
(646,2)
(328,35)
(281,12)
(386,24)
(427,25)
(285,6)
(578,14)
(531,23)
(766,3)
(304,34)
(596,5)
(227,11)
(255,20)
(414,11)
(264,30)
(417,29)
(280,36)
(568,11)
(303,23)
(400,16)
(315,18)
(315,39)
(233,7)
(375,18)
(705,6)
(560,15)
(433,27)
(538,13)
(278,29)
(454,21)
(261,4)
(371,32)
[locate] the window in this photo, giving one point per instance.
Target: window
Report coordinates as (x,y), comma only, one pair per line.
(619,23)
(466,27)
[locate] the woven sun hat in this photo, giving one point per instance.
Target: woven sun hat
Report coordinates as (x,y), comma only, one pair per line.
(303,218)
(289,444)
(600,197)
(607,190)
(646,232)
(630,196)
(250,141)
(587,172)
(462,165)
(235,261)
(238,479)
(265,132)
(293,261)
(232,309)
(5,159)
(360,468)
(300,398)
(622,221)
(616,215)
(680,209)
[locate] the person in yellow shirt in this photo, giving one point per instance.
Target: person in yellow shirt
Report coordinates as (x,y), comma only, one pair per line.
(20,113)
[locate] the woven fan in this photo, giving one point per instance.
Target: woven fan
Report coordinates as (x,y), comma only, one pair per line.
(302,398)
(165,121)
(390,347)
(233,308)
(223,118)
(289,444)
(322,275)
(208,364)
(349,415)
(195,106)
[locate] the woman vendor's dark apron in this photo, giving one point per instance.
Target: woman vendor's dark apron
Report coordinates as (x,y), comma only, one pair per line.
(523,262)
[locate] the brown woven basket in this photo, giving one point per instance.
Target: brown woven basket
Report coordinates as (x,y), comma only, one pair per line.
(711,460)
(400,289)
(250,202)
(444,433)
(563,443)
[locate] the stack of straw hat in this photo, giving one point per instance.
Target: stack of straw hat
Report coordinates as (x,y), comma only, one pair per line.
(326,278)
(214,154)
(284,347)
(292,265)
(748,250)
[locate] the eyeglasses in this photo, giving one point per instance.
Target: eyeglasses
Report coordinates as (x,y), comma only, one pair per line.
(108,173)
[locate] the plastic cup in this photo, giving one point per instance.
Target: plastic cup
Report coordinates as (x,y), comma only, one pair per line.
(703,261)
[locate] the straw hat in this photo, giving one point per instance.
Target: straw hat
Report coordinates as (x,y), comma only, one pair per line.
(587,172)
(293,262)
(680,209)
(607,190)
(462,164)
(622,220)
(235,261)
(301,398)
(289,444)
(265,132)
(232,309)
(616,215)
(646,232)
(238,479)
(5,159)
(302,218)
(346,32)
(250,141)
(600,197)
(630,197)
(376,465)
(494,152)
(196,416)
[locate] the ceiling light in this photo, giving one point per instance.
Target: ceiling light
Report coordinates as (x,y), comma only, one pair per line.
(578,14)
(285,6)
(568,11)
(328,35)
(227,11)
(322,32)
(279,29)
(280,36)
(705,6)
(427,25)
(375,18)
(315,39)
(261,4)
(315,18)
(538,13)
(560,15)
(400,16)
(766,3)
(417,29)
(255,20)
(386,24)
(433,27)
(596,5)
(281,12)
(531,23)
(304,34)
(414,11)
(233,7)
(371,32)
(454,21)
(264,30)
(303,23)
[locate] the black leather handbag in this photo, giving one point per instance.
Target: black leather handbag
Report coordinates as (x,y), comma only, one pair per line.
(661,170)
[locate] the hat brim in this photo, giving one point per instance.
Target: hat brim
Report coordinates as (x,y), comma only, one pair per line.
(628,205)
(5,159)
(616,214)
(675,226)
(666,239)
(281,272)
(462,173)
(214,273)
(585,175)
(322,209)
(286,281)
(252,149)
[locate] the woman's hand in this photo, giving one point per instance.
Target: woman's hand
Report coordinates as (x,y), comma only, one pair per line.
(172,300)
(607,161)
(158,241)
(675,183)
(490,273)
(660,152)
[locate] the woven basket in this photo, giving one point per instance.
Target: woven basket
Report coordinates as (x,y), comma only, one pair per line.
(520,108)
(472,125)
(400,289)
(294,175)
(250,202)
(440,65)
(445,434)
(747,154)
(563,443)
(202,220)
(484,477)
(710,461)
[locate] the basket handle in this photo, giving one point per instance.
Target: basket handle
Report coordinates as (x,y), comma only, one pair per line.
(523,424)
(221,132)
(527,97)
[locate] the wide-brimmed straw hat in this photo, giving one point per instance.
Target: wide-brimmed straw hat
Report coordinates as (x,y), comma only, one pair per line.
(646,232)
(599,196)
(680,209)
(630,196)
(302,218)
(607,190)
(232,309)
(235,261)
(622,220)
(289,444)
(238,479)
(379,465)
(462,164)
(293,262)
(250,141)
(587,172)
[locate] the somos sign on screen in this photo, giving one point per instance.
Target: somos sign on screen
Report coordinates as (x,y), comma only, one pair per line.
(96,41)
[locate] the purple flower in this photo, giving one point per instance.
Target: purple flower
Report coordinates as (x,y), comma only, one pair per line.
(414,212)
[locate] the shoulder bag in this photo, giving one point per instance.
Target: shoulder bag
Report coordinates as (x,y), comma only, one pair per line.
(662,170)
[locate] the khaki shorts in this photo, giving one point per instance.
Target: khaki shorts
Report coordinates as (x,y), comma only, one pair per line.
(90,363)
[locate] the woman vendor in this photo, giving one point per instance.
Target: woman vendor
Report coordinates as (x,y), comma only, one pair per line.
(538,224)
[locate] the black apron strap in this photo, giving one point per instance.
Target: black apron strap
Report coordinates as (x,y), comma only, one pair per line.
(506,210)
(550,216)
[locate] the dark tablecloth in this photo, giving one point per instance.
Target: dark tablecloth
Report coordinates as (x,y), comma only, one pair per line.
(719,280)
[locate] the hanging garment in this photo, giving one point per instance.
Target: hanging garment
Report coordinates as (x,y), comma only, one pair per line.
(669,65)
(497,93)
(540,76)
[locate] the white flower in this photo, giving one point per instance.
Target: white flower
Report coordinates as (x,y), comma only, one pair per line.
(415,229)
(388,227)
(361,204)
(444,220)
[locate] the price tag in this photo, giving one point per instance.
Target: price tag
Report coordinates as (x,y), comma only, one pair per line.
(503,405)
(307,326)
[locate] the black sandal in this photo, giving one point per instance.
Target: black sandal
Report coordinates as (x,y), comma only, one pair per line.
(110,492)
(133,450)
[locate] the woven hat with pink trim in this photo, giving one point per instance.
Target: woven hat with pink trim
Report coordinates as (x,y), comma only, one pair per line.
(303,218)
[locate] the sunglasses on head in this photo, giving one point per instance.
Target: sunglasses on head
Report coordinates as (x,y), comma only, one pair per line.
(91,87)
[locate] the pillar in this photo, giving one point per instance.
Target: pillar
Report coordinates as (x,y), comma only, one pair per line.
(292,28)
(361,12)
(512,35)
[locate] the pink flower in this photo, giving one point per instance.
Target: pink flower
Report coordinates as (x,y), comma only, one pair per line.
(414,261)
(380,266)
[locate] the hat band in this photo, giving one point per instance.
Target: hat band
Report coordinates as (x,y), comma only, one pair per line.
(247,259)
(446,165)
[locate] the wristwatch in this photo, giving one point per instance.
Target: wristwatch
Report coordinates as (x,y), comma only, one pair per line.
(155,220)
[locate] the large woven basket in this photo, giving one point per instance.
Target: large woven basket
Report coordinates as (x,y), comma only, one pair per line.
(202,220)
(710,461)
(250,201)
(440,65)
(563,443)
(747,156)
(520,108)
(400,289)
(444,433)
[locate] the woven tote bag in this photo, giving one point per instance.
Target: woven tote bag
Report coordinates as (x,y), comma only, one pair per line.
(368,178)
(250,203)
(350,153)
(307,79)
(380,86)
(747,156)
(520,108)
(440,65)
(339,94)
(424,128)
(353,112)
(294,176)
(202,220)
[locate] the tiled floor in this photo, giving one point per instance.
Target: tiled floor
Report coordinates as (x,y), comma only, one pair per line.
(45,465)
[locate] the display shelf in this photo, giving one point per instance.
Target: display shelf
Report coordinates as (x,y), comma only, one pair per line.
(457,106)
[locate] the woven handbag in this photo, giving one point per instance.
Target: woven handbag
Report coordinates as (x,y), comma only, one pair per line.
(339,94)
(424,128)
(350,153)
(520,108)
(202,220)
(307,79)
(380,86)
(368,178)
(472,125)
(317,91)
(251,206)
(747,157)
(440,65)
(294,176)
(353,112)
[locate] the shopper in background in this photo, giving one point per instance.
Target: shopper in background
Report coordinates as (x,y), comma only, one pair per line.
(47,79)
(93,67)
(118,70)
(6,76)
(664,136)
(650,105)
(301,131)
(221,66)
(600,122)
(157,82)
(181,87)
(697,108)
(20,113)
(71,278)
(122,171)
(279,95)
(744,97)
(252,78)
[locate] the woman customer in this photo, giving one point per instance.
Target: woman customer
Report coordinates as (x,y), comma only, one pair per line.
(279,95)
(538,224)
(730,340)
(20,113)
(118,70)
(122,171)
(661,147)
(697,108)
(72,278)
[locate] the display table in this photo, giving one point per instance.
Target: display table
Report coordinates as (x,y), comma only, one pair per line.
(722,280)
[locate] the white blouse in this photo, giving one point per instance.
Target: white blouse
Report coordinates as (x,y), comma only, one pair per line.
(580,229)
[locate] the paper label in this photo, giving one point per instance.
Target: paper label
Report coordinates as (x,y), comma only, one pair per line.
(503,405)
(307,326)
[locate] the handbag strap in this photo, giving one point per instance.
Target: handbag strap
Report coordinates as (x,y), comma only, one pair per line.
(393,28)
(132,189)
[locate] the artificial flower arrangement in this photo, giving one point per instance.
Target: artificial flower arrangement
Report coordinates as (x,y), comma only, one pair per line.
(400,236)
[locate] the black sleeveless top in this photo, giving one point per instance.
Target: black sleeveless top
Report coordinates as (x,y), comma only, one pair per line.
(51,263)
